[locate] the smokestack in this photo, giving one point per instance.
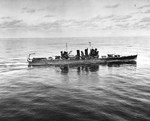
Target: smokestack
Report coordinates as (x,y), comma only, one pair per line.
(86,52)
(78,54)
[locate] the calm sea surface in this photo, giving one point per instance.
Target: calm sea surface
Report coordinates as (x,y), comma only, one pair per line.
(87,93)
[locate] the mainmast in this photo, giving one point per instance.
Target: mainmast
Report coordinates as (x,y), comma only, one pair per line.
(66,47)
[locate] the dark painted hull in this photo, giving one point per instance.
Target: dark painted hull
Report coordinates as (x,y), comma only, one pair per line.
(122,59)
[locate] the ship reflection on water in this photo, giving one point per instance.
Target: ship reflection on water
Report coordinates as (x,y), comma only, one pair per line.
(93,67)
(87,68)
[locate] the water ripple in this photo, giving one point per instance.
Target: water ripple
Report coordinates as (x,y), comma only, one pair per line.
(92,93)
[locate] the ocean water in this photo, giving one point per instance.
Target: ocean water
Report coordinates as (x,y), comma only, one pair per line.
(85,93)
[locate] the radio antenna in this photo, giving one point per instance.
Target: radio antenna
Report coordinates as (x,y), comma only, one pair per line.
(66,47)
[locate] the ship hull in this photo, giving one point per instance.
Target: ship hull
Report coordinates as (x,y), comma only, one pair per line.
(122,59)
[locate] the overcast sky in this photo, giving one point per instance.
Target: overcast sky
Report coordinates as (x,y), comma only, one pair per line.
(74,18)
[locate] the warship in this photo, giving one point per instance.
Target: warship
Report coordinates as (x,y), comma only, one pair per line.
(81,58)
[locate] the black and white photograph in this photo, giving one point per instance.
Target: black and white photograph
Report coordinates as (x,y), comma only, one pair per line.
(74,60)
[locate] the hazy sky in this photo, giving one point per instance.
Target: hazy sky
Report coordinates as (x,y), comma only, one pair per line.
(74,18)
